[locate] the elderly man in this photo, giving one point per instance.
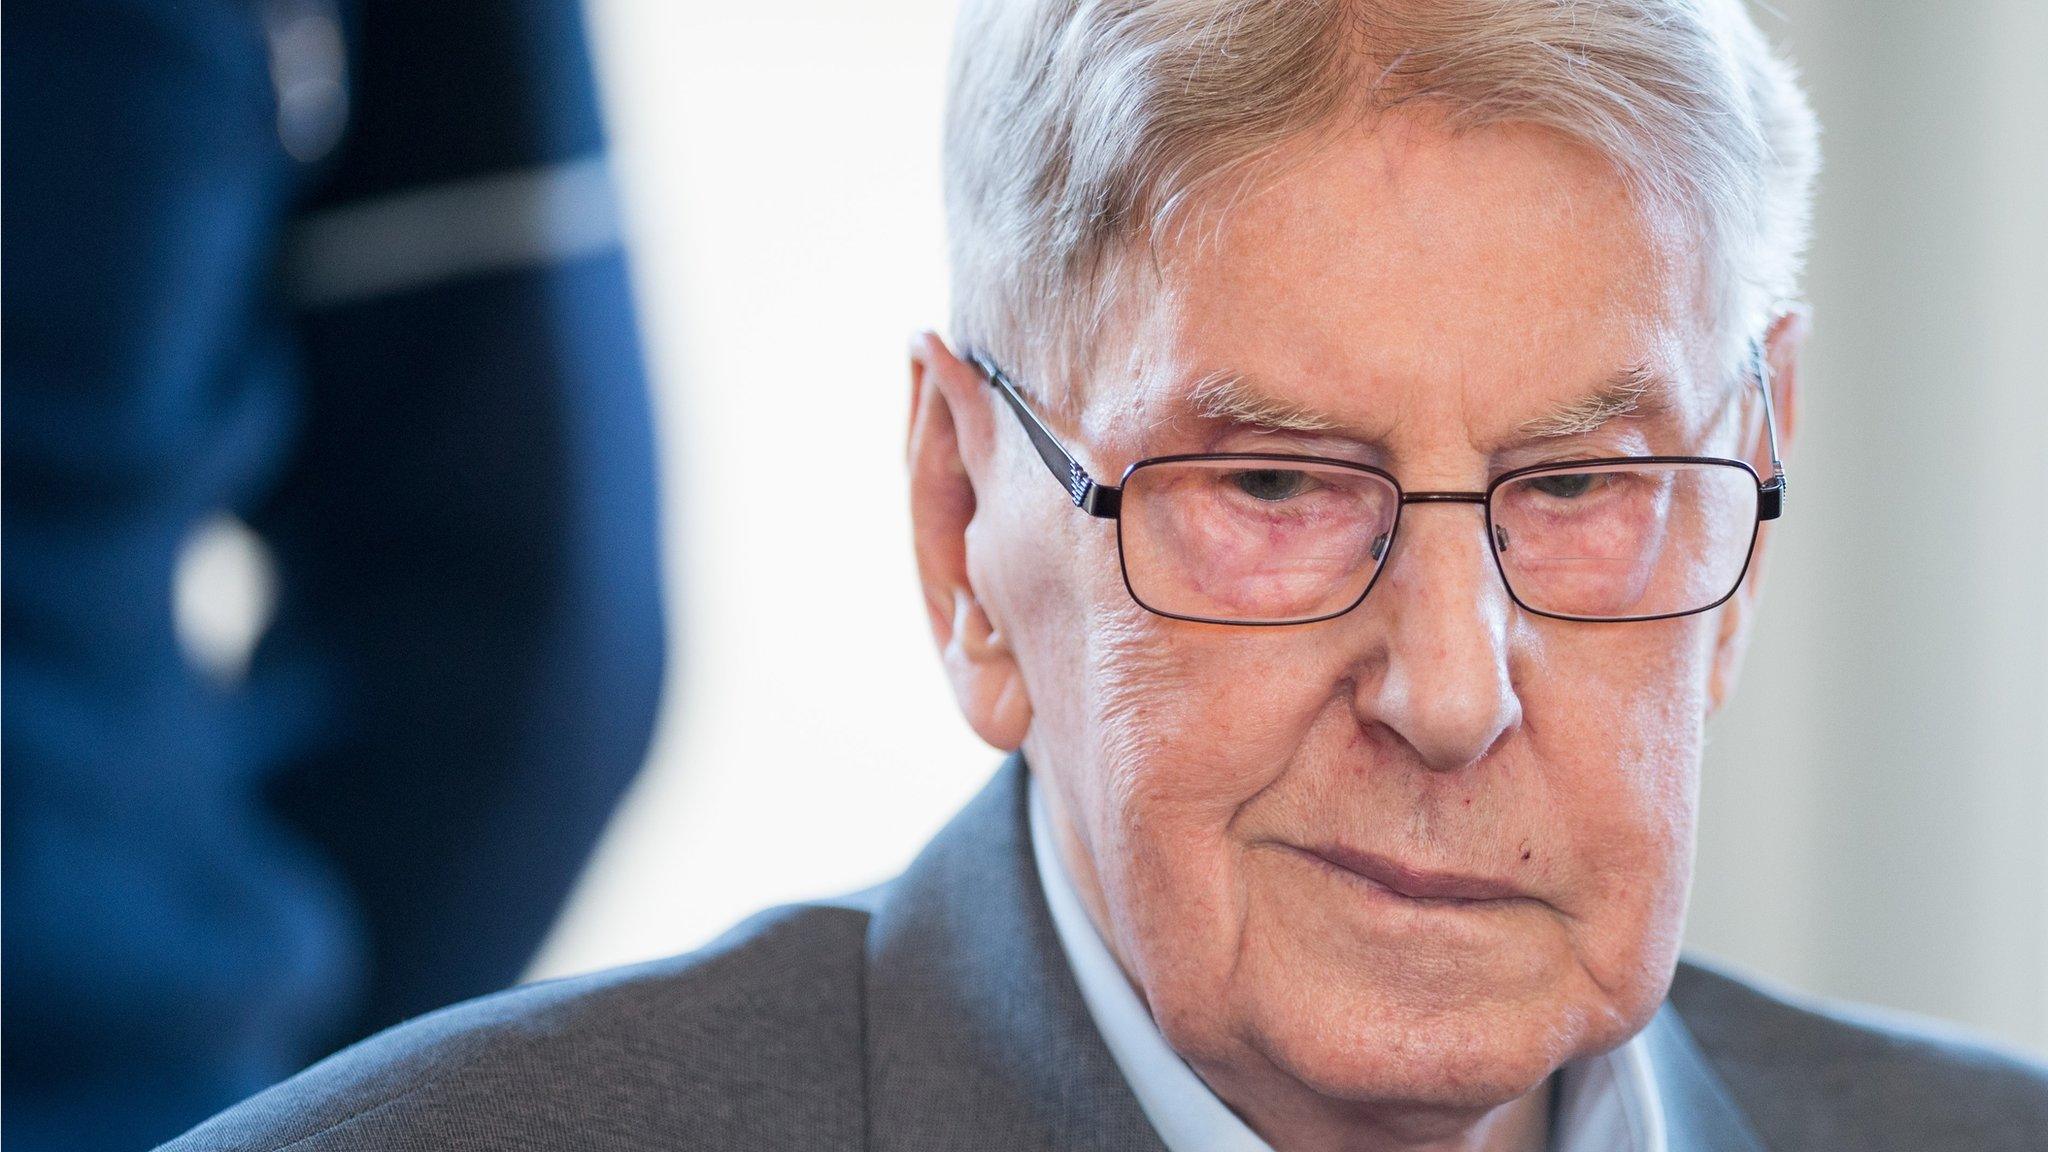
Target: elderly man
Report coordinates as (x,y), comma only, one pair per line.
(1413,379)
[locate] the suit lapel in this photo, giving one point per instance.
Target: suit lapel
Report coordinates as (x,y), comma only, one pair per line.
(977,1034)
(1699,1114)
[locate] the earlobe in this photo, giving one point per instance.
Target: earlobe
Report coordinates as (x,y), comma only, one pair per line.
(1730,644)
(983,671)
(985,676)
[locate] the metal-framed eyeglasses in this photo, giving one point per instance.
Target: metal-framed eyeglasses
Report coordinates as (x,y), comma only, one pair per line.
(1261,539)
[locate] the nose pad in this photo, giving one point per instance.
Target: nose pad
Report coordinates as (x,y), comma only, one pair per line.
(1379,546)
(1500,538)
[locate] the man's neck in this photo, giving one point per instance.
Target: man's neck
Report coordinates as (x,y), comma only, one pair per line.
(1291,1118)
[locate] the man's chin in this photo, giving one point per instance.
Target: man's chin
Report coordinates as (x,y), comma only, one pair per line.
(1459,1046)
(1448,1063)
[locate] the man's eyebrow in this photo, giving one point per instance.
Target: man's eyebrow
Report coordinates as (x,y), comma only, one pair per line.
(1636,391)
(1232,398)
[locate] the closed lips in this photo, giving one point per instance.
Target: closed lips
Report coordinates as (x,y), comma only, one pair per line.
(1416,883)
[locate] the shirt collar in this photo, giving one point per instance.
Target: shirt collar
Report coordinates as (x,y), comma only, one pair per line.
(1605,1103)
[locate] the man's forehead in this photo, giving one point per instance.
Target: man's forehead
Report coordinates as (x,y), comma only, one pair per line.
(1500,281)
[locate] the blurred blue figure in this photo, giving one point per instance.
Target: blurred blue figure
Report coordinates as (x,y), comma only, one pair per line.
(350,273)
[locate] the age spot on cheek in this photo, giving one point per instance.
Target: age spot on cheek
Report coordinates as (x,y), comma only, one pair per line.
(1527,851)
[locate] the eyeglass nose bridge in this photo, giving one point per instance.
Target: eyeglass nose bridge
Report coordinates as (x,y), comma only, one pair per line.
(1386,541)
(1443,498)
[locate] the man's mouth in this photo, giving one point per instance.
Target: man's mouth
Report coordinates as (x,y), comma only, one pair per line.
(1417,884)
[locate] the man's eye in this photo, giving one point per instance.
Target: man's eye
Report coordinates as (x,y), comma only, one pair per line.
(1565,485)
(1271,484)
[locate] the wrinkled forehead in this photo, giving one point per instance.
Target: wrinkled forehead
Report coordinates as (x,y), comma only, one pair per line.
(1416,283)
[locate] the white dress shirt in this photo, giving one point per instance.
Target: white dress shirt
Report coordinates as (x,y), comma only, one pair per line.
(1604,1103)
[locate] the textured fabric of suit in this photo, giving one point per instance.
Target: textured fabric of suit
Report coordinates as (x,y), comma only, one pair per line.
(938,1013)
(211,883)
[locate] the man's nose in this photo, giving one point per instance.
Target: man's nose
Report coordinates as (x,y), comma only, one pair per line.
(1442,618)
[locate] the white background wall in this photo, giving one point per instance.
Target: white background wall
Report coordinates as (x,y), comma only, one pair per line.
(1876,800)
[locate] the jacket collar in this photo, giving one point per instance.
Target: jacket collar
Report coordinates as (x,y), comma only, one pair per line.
(976,1029)
(1699,1114)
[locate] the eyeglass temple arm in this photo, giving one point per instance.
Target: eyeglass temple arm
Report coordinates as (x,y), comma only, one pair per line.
(1101,500)
(1771,493)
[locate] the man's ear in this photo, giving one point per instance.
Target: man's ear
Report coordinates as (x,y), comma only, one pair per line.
(949,447)
(1783,344)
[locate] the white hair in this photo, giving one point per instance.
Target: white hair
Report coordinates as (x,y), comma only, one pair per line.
(1078,131)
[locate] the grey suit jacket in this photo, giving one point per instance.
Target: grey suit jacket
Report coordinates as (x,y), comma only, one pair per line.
(938,1012)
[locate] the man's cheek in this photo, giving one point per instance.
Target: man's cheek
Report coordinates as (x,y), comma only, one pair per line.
(1623,753)
(1638,842)
(1218,703)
